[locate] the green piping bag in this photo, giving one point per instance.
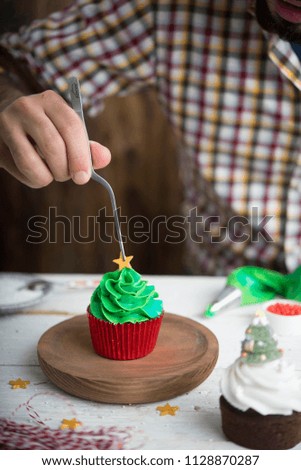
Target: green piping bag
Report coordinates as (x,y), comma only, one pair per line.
(251,284)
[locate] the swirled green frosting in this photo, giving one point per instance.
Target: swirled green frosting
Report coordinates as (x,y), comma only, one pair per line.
(123,297)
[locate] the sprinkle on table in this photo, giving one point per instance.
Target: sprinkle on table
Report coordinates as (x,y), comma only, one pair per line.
(167,410)
(123,263)
(19,383)
(70,423)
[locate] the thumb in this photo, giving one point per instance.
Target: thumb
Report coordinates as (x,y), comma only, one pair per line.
(101,155)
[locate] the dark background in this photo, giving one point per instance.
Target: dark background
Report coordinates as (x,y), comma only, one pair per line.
(143,173)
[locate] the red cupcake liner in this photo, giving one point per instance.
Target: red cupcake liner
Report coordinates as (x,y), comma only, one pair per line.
(124,341)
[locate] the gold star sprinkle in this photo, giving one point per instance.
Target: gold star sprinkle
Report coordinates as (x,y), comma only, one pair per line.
(70,424)
(123,263)
(167,410)
(19,383)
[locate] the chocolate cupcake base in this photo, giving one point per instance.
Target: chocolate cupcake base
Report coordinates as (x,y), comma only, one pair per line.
(255,431)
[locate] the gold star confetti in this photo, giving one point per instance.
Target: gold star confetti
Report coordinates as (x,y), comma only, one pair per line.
(70,423)
(123,263)
(167,410)
(19,383)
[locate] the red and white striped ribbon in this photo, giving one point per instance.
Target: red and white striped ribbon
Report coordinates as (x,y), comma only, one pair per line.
(20,436)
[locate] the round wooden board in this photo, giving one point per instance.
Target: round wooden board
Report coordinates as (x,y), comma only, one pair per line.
(184,356)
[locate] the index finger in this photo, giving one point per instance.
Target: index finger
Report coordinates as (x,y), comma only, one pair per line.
(73,132)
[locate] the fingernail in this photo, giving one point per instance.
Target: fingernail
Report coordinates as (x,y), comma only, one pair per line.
(80,177)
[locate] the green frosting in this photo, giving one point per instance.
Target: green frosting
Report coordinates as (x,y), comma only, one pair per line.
(123,297)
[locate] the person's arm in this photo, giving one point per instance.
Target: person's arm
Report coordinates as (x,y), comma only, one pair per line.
(109,46)
(41,137)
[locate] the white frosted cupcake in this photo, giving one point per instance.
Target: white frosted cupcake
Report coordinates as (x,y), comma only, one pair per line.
(261,393)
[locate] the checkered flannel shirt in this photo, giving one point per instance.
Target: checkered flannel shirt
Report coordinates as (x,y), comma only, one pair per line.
(232,92)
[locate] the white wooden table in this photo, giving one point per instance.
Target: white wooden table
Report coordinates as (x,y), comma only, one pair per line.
(197,424)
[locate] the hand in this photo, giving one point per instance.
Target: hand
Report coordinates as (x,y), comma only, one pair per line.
(42,139)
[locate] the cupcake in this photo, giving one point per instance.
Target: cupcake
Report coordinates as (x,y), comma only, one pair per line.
(125,314)
(261,393)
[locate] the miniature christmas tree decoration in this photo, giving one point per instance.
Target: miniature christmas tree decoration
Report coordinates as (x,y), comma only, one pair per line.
(260,344)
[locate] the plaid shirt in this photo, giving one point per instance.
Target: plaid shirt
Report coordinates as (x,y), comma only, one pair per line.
(231,90)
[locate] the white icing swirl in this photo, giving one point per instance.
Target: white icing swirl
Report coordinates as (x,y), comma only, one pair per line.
(270,388)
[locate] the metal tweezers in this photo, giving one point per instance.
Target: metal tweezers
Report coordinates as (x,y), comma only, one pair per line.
(76,102)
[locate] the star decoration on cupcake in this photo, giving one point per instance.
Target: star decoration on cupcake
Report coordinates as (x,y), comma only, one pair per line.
(19,383)
(260,318)
(123,263)
(167,410)
(70,423)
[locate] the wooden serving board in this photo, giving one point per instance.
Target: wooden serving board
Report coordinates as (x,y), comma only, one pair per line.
(184,356)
